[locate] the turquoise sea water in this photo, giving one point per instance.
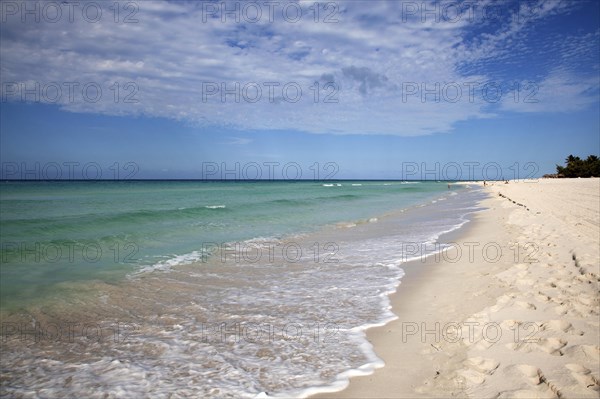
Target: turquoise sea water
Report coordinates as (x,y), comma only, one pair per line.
(139,289)
(54,232)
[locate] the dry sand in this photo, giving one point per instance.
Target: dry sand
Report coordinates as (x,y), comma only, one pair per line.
(512,311)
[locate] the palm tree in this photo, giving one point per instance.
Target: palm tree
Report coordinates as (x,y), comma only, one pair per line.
(576,167)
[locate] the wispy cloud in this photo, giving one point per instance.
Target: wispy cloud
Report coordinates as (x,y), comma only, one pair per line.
(350,68)
(558,92)
(238,141)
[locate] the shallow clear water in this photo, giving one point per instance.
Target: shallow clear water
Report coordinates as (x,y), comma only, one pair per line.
(235,288)
(53,232)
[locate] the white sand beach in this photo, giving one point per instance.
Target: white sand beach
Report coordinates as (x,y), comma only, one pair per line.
(512,311)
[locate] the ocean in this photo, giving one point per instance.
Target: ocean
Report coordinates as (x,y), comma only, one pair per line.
(206,288)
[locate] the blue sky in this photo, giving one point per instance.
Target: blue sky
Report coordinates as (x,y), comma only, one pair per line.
(361,90)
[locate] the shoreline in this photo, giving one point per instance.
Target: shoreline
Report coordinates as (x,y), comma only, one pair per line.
(162,309)
(421,282)
(506,329)
(439,344)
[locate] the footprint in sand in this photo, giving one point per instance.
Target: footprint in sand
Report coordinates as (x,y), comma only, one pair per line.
(482,364)
(522,266)
(533,374)
(564,285)
(587,278)
(542,297)
(502,302)
(561,309)
(584,352)
(477,368)
(583,376)
(564,272)
(472,376)
(587,300)
(551,283)
(573,307)
(525,305)
(552,346)
(583,309)
(560,326)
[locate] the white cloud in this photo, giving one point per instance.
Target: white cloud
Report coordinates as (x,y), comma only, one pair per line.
(348,77)
(239,141)
(558,92)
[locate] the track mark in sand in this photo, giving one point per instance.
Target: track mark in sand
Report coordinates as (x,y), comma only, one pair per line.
(532,374)
(563,285)
(561,309)
(542,297)
(560,326)
(477,368)
(483,365)
(502,302)
(513,201)
(535,376)
(472,376)
(522,266)
(587,300)
(552,346)
(529,382)
(575,261)
(525,305)
(584,352)
(590,276)
(583,376)
(582,305)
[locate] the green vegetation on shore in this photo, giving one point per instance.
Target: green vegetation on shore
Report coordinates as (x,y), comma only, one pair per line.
(577,167)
